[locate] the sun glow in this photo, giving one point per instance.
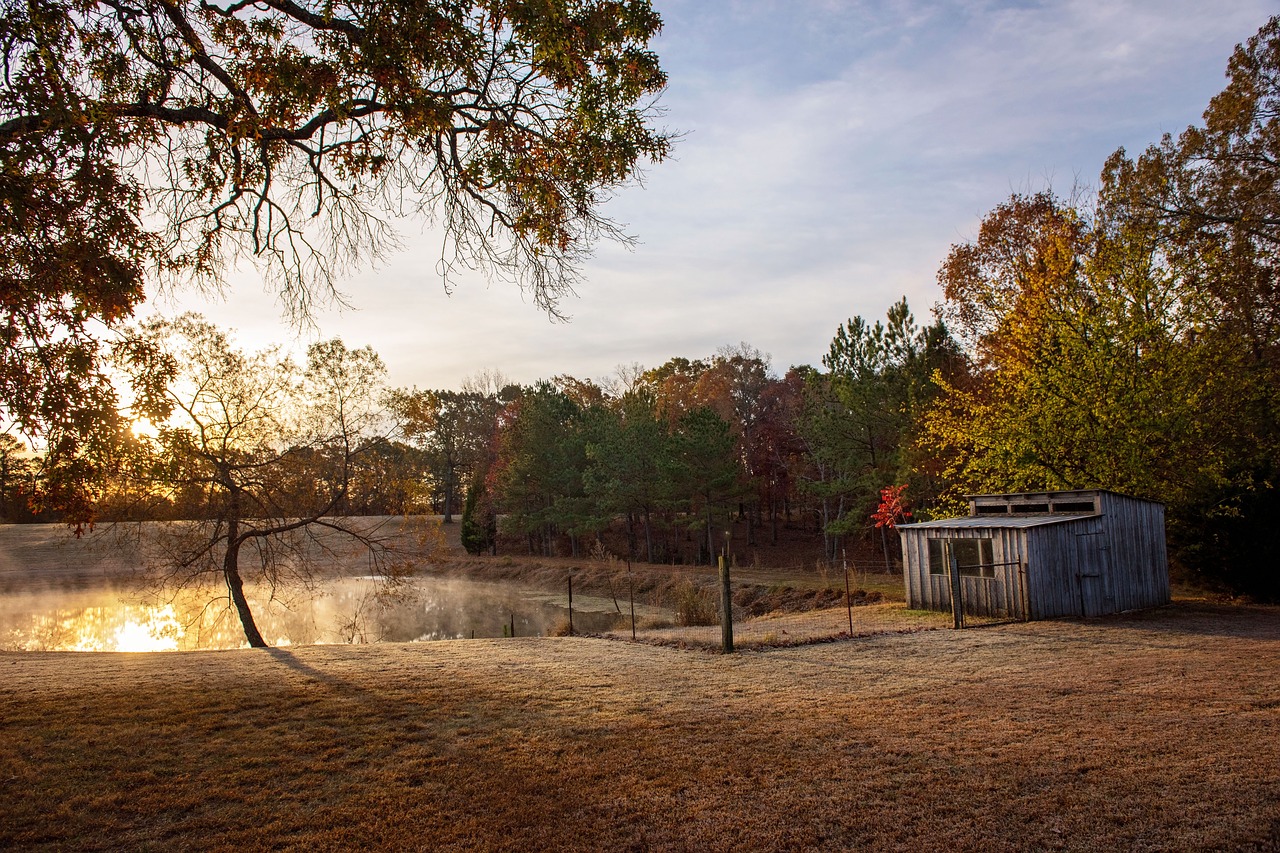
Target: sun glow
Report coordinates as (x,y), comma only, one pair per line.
(143,428)
(148,637)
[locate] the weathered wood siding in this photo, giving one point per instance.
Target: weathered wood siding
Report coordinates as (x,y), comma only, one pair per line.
(1108,563)
(1135,532)
(1054,562)
(999,596)
(915,570)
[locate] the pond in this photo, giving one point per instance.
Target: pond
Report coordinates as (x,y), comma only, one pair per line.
(342,610)
(58,594)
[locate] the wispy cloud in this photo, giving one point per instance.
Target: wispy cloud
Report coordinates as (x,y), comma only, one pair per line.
(833,152)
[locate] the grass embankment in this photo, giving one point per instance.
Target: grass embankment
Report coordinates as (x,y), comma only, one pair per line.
(1158,731)
(772,607)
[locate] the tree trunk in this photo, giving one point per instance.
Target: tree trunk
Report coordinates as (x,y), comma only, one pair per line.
(648,536)
(711,544)
(826,515)
(231,574)
(773,518)
(448,493)
(236,586)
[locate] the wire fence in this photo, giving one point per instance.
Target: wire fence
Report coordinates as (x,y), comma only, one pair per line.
(820,602)
(978,600)
(687,612)
(784,629)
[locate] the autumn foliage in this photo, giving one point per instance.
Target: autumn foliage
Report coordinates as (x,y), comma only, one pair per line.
(893,507)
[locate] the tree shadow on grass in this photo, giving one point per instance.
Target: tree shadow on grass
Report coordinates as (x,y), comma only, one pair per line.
(289,659)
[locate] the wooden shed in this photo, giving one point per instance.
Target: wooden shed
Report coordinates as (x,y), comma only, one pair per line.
(1035,555)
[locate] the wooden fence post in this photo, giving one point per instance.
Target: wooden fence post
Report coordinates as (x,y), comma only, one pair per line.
(726,607)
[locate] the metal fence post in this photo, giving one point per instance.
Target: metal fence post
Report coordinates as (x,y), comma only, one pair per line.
(957,607)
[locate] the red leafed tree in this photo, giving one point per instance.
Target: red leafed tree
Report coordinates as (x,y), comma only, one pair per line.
(893,507)
(892,510)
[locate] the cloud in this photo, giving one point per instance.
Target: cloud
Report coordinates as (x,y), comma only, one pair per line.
(833,152)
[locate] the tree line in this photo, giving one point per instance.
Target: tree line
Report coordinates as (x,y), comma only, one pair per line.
(1131,340)
(668,456)
(674,454)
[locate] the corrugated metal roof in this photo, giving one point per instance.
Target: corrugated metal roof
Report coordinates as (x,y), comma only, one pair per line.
(991,521)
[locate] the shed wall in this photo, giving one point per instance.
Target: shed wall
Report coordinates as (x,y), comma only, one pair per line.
(1057,557)
(1139,563)
(1000,595)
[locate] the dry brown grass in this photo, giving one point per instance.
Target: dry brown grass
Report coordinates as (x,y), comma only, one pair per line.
(1158,731)
(789,628)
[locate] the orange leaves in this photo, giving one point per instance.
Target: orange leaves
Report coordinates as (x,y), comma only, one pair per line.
(284,131)
(1001,289)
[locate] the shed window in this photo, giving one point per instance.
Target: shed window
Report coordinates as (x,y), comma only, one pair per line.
(937,559)
(975,557)
(1074,506)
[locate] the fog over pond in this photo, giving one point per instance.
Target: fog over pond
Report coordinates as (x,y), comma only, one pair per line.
(60,594)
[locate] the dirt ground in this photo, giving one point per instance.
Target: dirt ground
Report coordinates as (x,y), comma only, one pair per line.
(1155,731)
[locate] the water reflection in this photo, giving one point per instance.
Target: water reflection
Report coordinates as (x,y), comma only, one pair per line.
(345,610)
(123,628)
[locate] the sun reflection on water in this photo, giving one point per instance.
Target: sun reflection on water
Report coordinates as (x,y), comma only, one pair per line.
(106,621)
(117,628)
(159,633)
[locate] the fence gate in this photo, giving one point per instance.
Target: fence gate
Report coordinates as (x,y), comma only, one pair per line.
(987,593)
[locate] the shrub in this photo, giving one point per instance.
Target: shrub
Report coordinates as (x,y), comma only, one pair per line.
(694,605)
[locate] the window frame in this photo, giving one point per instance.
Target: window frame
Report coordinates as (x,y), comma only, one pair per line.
(938,553)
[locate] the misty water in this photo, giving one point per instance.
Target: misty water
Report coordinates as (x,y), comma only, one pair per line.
(342,610)
(57,595)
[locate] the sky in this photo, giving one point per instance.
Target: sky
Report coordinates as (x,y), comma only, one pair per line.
(830,154)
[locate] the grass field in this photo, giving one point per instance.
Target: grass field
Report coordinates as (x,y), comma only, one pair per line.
(1157,731)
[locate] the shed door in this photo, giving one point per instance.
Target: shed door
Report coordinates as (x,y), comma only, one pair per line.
(1093,574)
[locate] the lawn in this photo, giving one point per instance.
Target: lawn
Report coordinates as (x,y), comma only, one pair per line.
(1157,731)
